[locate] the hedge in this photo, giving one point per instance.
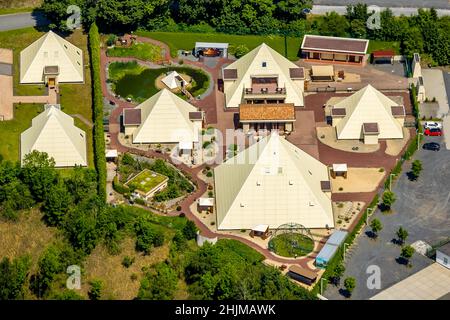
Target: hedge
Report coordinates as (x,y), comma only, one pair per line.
(97,96)
(119,187)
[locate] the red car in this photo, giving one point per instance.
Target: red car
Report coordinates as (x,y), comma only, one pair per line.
(433,132)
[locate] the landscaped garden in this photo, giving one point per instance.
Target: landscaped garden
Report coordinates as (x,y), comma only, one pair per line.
(291,240)
(186,41)
(142,51)
(178,184)
(132,80)
(291,245)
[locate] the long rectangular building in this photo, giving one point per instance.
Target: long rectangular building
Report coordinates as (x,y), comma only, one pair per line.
(334,49)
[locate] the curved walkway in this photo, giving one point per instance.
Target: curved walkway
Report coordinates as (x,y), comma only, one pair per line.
(114,130)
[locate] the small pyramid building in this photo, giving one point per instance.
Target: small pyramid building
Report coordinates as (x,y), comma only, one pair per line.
(54,132)
(51,57)
(163,118)
(263,63)
(173,80)
(272,183)
(368,112)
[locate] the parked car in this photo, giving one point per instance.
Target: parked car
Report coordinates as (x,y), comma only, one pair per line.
(433,146)
(432,125)
(433,132)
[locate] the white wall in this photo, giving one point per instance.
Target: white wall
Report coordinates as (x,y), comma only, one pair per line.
(441,257)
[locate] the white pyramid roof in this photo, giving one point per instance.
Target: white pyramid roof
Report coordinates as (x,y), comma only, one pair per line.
(368,105)
(51,50)
(171,80)
(272,182)
(165,119)
(251,65)
(54,132)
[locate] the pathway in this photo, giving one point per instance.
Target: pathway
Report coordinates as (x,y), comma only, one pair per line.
(208,104)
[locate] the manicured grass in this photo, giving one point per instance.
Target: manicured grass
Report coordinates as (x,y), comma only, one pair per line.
(375,45)
(14,10)
(186,41)
(75,98)
(142,51)
(138,83)
(291,245)
(10,130)
(146,181)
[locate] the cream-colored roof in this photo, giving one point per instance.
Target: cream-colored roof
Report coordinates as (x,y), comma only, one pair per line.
(368,105)
(165,119)
(51,50)
(54,132)
(272,182)
(171,80)
(430,283)
(322,71)
(251,65)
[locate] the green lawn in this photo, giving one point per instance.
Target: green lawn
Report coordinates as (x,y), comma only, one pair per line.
(291,245)
(142,51)
(375,45)
(138,83)
(10,130)
(15,10)
(146,181)
(186,41)
(75,98)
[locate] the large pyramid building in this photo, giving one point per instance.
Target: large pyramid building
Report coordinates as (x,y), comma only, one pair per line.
(272,182)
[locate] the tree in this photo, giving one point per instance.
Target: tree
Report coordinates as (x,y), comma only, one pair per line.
(56,12)
(13,275)
(38,172)
(240,51)
(147,236)
(333,24)
(290,10)
(96,290)
(416,168)
(376,226)
(350,285)
(388,199)
(57,204)
(159,284)
(402,234)
(49,265)
(338,272)
(407,253)
(190,230)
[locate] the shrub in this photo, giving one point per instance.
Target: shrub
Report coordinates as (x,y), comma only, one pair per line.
(112,38)
(96,290)
(240,51)
(119,187)
(350,284)
(388,199)
(209,174)
(190,230)
(127,261)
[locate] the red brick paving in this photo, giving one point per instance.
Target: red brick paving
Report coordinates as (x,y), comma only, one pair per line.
(223,119)
(208,104)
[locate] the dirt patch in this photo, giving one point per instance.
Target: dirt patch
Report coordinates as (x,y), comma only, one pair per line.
(395,146)
(117,280)
(358,180)
(327,135)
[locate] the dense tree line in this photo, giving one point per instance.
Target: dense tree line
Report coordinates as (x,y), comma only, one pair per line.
(424,32)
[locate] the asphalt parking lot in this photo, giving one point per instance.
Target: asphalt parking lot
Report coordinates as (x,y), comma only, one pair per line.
(422,208)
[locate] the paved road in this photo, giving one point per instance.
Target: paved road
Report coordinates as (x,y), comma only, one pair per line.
(21,20)
(422,208)
(397,11)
